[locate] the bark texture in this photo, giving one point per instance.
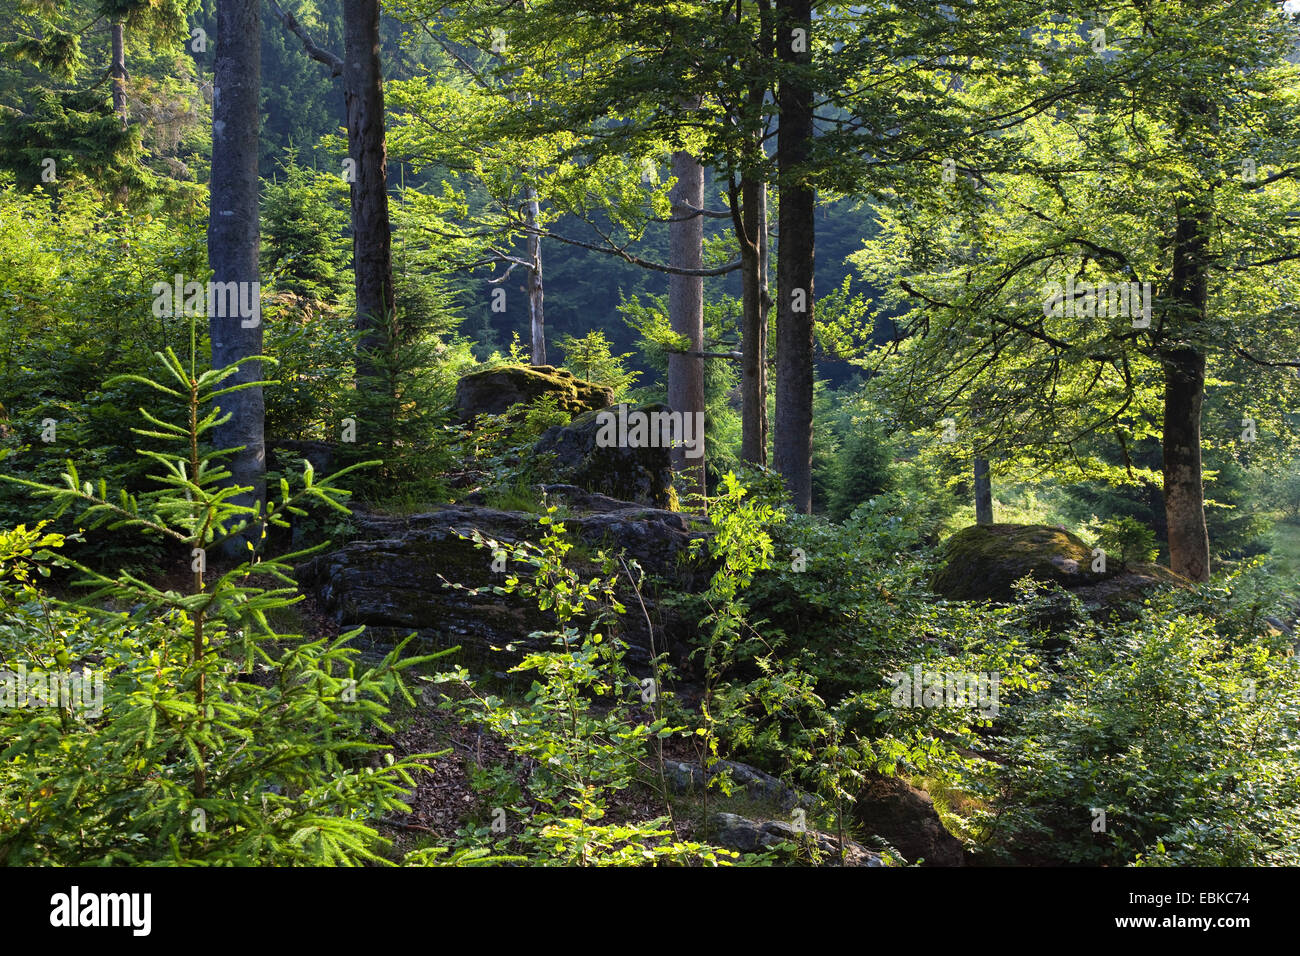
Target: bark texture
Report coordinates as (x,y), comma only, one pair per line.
(686,312)
(1184,367)
(536,310)
(363,94)
(756,303)
(797,231)
(983,492)
(233,234)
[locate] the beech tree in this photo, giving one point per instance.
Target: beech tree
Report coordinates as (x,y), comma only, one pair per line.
(1089,272)
(796,258)
(686,312)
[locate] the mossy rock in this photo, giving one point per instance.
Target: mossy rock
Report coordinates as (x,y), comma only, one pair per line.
(643,475)
(421,574)
(982,562)
(495,390)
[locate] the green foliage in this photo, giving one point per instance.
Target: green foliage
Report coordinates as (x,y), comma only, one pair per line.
(1282,491)
(315,347)
(57,105)
(1181,730)
(656,340)
(304,221)
(1232,515)
(76,307)
(864,467)
(403,405)
(213,739)
(577,756)
(589,358)
(1128,540)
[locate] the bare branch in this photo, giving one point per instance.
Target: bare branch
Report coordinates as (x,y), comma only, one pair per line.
(291,24)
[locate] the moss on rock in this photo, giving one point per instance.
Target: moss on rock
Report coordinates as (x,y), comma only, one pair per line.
(495,390)
(637,474)
(982,562)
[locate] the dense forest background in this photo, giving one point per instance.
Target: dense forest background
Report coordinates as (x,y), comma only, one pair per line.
(988,314)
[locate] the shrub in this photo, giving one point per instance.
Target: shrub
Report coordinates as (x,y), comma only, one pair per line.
(577,754)
(215,739)
(1183,736)
(1127,541)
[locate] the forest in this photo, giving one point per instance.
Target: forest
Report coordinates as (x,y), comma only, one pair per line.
(693,433)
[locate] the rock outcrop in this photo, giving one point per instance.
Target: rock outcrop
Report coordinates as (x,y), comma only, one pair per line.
(391,578)
(690,778)
(642,474)
(906,819)
(494,391)
(900,814)
(735,832)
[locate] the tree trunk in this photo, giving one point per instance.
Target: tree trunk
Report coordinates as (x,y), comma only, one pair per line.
(795,260)
(536,313)
(118,71)
(233,234)
(983,492)
(1189,539)
(1184,366)
(756,301)
(372,258)
(686,316)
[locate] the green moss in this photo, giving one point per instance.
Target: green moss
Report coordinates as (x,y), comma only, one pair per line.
(982,562)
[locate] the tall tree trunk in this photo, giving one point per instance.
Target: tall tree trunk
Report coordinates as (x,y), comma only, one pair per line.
(686,315)
(118,71)
(372,257)
(1189,539)
(233,234)
(983,492)
(536,312)
(755,304)
(795,259)
(1184,366)
(755,298)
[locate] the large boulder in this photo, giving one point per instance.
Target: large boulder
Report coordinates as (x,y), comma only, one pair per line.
(494,391)
(1123,592)
(642,474)
(982,562)
(906,819)
(394,578)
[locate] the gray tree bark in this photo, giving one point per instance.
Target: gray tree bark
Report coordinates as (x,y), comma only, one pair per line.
(756,303)
(536,311)
(233,238)
(795,260)
(372,257)
(686,311)
(983,492)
